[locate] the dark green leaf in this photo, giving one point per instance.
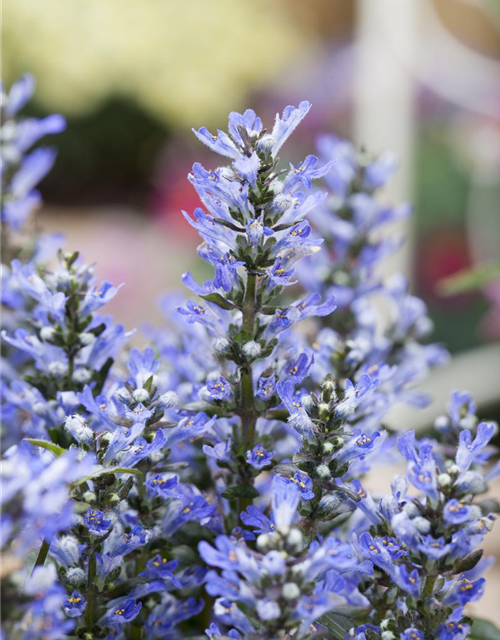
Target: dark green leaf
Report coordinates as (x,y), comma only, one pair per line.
(468,280)
(338,624)
(219,300)
(469,562)
(104,471)
(50,446)
(484,630)
(148,385)
(240,491)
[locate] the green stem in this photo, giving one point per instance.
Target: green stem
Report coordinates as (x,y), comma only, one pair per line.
(247,397)
(429,587)
(135,632)
(42,554)
(90,611)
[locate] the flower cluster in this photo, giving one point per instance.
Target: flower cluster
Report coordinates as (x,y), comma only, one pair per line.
(214,483)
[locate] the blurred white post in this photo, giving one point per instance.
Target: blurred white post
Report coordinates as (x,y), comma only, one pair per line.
(384,98)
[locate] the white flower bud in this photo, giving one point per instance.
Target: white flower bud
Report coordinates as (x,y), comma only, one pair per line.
(327,447)
(57,369)
(453,470)
(444,480)
(422,525)
(87,338)
(75,576)
(89,497)
(76,426)
(387,635)
(266,143)
(221,346)
(252,349)
(82,374)
(123,395)
(263,541)
(39,408)
(169,399)
(441,423)
(469,422)
(47,333)
(411,509)
(323,471)
(140,395)
(291,591)
(294,538)
(306,401)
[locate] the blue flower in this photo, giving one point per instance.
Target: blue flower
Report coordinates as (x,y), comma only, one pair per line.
(299,368)
(286,124)
(285,502)
(409,581)
(142,449)
(454,628)
(123,613)
(435,548)
(470,451)
(464,591)
(259,457)
(75,605)
(157,485)
(214,633)
(96,522)
(413,634)
(219,389)
(253,517)
(422,466)
(456,512)
(304,484)
(266,386)
(220,451)
(128,542)
(161,568)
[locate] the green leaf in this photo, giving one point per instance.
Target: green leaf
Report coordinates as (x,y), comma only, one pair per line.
(219,300)
(104,471)
(338,624)
(45,444)
(468,280)
(240,491)
(484,630)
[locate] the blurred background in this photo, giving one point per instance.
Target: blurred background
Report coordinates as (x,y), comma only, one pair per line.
(420,77)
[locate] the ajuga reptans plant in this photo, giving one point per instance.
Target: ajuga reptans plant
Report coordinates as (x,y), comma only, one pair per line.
(214,484)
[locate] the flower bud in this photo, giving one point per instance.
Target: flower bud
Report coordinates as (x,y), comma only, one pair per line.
(76,426)
(140,395)
(290,591)
(89,497)
(294,538)
(82,374)
(422,525)
(252,349)
(324,411)
(263,541)
(47,333)
(444,479)
(328,447)
(322,471)
(169,399)
(75,576)
(87,338)
(221,346)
